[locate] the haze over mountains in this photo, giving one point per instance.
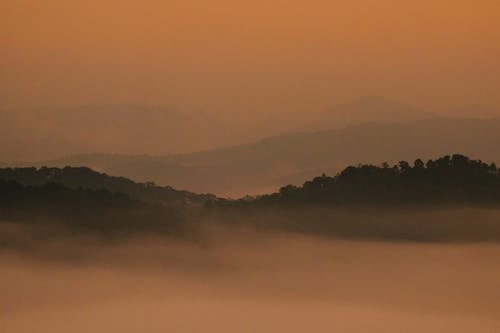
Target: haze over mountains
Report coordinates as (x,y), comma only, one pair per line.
(47,133)
(366,109)
(225,166)
(267,164)
(369,129)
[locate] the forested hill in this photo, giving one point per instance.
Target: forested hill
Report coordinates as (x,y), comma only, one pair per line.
(82,209)
(360,202)
(82,177)
(447,180)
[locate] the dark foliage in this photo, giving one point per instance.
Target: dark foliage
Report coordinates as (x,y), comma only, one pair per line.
(381,195)
(93,210)
(448,180)
(82,177)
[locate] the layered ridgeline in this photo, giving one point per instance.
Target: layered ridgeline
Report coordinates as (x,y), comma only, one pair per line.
(447,180)
(265,165)
(158,130)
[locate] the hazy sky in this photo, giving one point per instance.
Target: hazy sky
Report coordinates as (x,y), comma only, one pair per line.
(244,57)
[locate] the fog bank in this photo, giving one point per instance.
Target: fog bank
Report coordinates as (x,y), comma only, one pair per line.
(247,282)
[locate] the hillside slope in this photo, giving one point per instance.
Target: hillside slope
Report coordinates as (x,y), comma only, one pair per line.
(85,178)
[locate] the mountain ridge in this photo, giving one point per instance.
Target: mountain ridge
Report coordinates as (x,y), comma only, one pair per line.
(266,164)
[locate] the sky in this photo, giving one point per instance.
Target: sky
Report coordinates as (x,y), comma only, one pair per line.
(242,70)
(233,56)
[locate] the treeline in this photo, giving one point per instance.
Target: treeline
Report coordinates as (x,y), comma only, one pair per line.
(79,197)
(83,199)
(86,178)
(454,179)
(85,209)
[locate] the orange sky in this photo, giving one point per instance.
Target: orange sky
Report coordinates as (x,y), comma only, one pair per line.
(241,56)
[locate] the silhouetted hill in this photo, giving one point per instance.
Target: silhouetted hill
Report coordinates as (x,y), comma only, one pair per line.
(265,165)
(84,209)
(447,180)
(82,177)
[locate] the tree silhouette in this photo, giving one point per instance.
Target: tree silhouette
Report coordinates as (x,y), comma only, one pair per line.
(449,179)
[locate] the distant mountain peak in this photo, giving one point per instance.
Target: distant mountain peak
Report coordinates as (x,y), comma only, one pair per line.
(367,109)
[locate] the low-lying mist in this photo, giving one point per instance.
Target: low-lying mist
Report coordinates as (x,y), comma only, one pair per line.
(242,279)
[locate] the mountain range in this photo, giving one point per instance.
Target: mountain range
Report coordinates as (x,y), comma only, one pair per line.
(264,165)
(46,133)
